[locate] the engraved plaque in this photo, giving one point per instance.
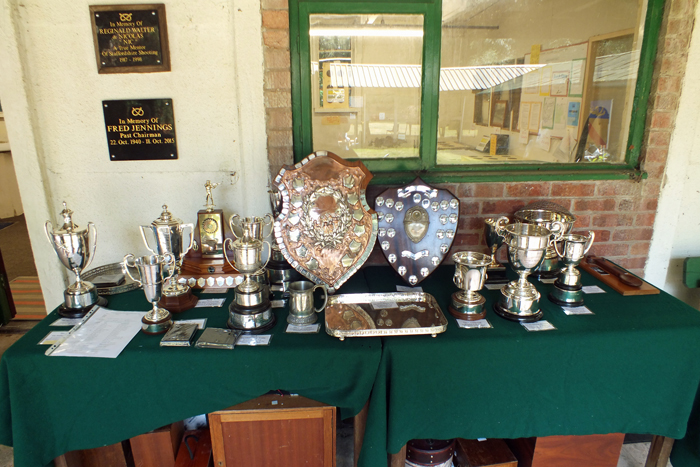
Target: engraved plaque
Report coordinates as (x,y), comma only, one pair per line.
(130,38)
(142,129)
(323,202)
(424,222)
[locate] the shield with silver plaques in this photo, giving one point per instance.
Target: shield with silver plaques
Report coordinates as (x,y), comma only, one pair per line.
(325,228)
(417,225)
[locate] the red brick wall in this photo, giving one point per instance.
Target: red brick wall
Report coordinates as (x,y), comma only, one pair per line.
(620,212)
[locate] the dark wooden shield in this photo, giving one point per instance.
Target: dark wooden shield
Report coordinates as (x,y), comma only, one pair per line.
(325,229)
(417,225)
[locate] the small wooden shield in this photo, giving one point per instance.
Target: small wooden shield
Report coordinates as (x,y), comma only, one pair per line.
(417,225)
(325,229)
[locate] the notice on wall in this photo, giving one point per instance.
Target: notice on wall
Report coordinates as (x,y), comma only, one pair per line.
(130,38)
(142,129)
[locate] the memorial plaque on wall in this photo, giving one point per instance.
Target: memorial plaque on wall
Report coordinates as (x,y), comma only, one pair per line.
(130,38)
(140,129)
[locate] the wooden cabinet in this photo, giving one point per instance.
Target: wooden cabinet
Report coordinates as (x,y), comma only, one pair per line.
(274,430)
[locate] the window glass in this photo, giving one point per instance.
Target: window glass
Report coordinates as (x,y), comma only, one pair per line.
(537,81)
(366,84)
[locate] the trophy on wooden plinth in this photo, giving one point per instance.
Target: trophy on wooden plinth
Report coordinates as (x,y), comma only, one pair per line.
(75,247)
(205,264)
(567,288)
(470,274)
(167,235)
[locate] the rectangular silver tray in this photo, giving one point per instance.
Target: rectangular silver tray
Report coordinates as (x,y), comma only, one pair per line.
(383,314)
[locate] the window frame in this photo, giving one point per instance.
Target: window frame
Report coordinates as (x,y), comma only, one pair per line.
(404,170)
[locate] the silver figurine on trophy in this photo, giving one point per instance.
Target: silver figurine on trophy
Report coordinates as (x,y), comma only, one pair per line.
(567,288)
(251,309)
(75,247)
(470,274)
(496,271)
(527,247)
(154,271)
(167,235)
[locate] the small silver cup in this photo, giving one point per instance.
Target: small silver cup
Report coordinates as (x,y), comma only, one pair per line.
(250,227)
(470,274)
(301,302)
(567,289)
(153,271)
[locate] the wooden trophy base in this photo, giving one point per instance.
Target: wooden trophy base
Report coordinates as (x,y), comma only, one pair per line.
(178,303)
(200,273)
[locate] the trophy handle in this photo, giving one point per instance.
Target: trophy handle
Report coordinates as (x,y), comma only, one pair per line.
(127,265)
(48,227)
(143,228)
(558,230)
(325,296)
(94,244)
(190,244)
(589,243)
(169,260)
(226,255)
(267,220)
(556,248)
(457,279)
(234,226)
(269,254)
(500,225)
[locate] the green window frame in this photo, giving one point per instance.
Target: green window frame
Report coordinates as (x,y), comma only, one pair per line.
(404,170)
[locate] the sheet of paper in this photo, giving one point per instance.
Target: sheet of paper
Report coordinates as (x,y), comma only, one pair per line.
(53,337)
(253,340)
(104,335)
(303,328)
(210,302)
(545,280)
(476,324)
(201,323)
(66,322)
(588,289)
(542,325)
(403,288)
(277,303)
(494,286)
(577,310)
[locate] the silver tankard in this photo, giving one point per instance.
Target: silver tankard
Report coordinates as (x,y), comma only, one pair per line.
(153,271)
(75,247)
(301,302)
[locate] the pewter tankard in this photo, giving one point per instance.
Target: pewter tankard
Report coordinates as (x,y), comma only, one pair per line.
(301,302)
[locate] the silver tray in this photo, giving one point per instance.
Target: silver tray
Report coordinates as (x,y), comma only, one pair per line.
(383,314)
(114,268)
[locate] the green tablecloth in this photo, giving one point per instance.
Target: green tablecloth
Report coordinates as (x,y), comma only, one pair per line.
(633,367)
(51,405)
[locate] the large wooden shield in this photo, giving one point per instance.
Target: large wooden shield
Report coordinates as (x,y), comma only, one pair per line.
(417,225)
(325,229)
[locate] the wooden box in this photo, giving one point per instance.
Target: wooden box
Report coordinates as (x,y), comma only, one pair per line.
(274,430)
(195,449)
(157,448)
(571,451)
(487,453)
(114,455)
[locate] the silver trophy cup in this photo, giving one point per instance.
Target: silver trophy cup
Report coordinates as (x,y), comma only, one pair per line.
(75,247)
(168,234)
(250,227)
(153,271)
(527,247)
(567,288)
(470,274)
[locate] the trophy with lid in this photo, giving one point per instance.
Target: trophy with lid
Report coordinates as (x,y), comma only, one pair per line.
(75,247)
(251,309)
(167,235)
(527,247)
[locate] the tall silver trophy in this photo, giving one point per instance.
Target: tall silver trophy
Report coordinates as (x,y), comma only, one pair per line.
(567,288)
(251,309)
(75,247)
(153,271)
(168,234)
(470,274)
(527,247)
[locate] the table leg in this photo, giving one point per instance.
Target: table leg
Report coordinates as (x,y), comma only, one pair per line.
(659,452)
(398,459)
(359,425)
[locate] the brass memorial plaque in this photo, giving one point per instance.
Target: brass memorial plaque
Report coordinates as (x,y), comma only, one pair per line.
(139,130)
(325,230)
(417,225)
(130,38)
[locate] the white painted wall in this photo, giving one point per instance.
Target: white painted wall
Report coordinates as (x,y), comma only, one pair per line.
(677,226)
(51,95)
